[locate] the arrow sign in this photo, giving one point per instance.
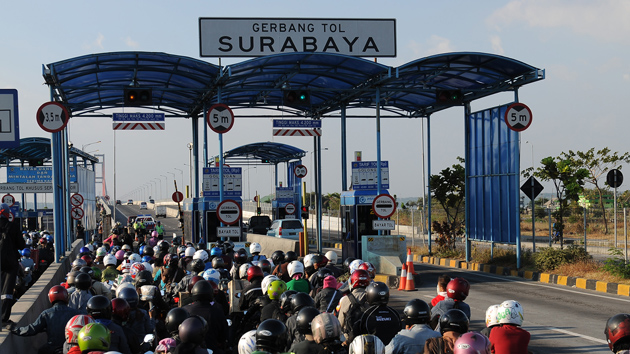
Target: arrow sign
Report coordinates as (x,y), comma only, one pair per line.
(228,212)
(384,206)
(76,199)
(300,171)
(76,213)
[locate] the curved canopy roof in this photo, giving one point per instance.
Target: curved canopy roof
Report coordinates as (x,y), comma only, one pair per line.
(183,86)
(38,149)
(265,152)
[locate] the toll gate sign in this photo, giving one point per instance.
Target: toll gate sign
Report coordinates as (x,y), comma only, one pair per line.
(228,212)
(384,206)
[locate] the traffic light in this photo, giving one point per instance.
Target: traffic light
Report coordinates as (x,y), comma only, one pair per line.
(297,98)
(138,97)
(304,212)
(36,162)
(258,211)
(449,97)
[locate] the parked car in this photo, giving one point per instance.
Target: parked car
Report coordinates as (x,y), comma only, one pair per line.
(149,222)
(130,202)
(259,224)
(143,205)
(285,228)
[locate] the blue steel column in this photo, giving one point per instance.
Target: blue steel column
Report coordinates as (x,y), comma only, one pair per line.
(466,174)
(517,192)
(66,183)
(58,215)
(195,187)
(318,140)
(344,155)
(378,146)
(205,137)
(429,182)
(73,222)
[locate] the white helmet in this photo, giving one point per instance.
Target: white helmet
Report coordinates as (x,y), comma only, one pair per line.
(90,247)
(109,259)
(255,247)
(135,258)
(247,343)
(510,311)
(201,254)
(126,247)
(190,251)
(355,265)
(242,270)
(124,284)
(366,344)
(332,257)
(308,260)
(295,267)
(212,275)
(101,252)
(491,316)
(264,284)
(148,266)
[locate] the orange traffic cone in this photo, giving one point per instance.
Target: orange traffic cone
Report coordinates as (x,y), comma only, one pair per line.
(403,278)
(410,284)
(410,268)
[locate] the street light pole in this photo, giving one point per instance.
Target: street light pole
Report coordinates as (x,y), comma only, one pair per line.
(173,184)
(165,186)
(83,146)
(190,147)
(182,181)
(159,181)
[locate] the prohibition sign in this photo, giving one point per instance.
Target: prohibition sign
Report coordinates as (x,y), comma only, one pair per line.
(52,117)
(8,199)
(384,206)
(177,197)
(220,118)
(76,199)
(289,208)
(518,117)
(76,213)
(300,171)
(228,212)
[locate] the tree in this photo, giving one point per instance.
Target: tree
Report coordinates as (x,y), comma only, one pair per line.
(567,177)
(597,163)
(448,189)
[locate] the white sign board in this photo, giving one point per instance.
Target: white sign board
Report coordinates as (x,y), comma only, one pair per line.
(33,188)
(383,224)
(253,37)
(289,208)
(232,182)
(229,231)
(9,119)
(365,175)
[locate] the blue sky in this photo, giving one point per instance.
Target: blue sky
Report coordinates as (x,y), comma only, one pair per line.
(583,45)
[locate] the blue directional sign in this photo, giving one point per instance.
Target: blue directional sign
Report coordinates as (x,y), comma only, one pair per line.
(297,123)
(17,174)
(138,117)
(9,119)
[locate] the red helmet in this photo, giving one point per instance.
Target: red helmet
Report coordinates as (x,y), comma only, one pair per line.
(74,325)
(58,293)
(617,327)
(253,272)
(87,259)
(136,268)
(457,289)
(367,266)
(359,278)
(120,309)
(194,279)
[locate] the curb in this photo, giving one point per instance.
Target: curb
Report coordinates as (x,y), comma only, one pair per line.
(327,244)
(575,282)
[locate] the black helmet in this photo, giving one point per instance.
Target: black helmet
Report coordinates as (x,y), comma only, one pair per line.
(162,246)
(290,257)
(277,257)
(71,278)
(174,318)
(304,319)
(265,265)
(454,320)
(346,263)
(218,263)
(196,266)
(130,295)
(192,330)
(301,300)
(83,281)
(321,274)
(144,278)
(271,336)
(202,291)
(285,300)
(99,307)
(147,251)
(87,270)
(377,293)
(416,311)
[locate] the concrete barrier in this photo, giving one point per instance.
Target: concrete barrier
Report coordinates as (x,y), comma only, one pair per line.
(33,303)
(386,253)
(271,244)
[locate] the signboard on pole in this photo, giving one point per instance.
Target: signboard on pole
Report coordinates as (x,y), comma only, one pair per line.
(9,119)
(532,188)
(383,225)
(518,117)
(300,171)
(289,208)
(8,199)
(76,199)
(232,182)
(384,206)
(229,231)
(41,174)
(52,117)
(77,213)
(365,175)
(220,118)
(178,197)
(228,212)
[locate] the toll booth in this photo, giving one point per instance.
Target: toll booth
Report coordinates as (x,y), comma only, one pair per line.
(192,219)
(281,209)
(211,221)
(356,220)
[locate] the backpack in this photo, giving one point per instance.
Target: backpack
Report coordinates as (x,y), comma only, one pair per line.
(352,320)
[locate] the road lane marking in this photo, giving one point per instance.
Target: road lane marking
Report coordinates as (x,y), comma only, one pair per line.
(593,339)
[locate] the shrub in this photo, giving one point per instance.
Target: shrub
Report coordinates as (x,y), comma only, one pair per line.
(549,258)
(617,265)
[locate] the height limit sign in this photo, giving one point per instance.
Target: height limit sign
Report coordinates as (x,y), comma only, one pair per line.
(518,117)
(220,118)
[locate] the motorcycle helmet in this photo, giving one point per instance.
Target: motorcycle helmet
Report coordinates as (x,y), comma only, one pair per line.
(78,264)
(304,319)
(218,263)
(174,318)
(253,273)
(242,270)
(264,284)
(285,300)
(366,344)
(201,254)
(146,259)
(359,279)
(120,309)
(143,278)
(276,288)
(84,250)
(454,320)
(247,343)
(83,281)
(96,273)
(377,293)
(71,277)
(148,251)
(271,334)
(190,251)
(491,315)
(216,251)
(510,312)
(131,295)
(295,267)
(99,307)
(101,252)
(212,275)
(255,247)
(194,281)
(367,266)
(163,246)
(290,256)
(617,328)
(416,312)
(126,248)
(355,265)
(457,289)
(346,264)
(109,260)
(240,257)
(332,257)
(88,259)
(193,330)
(265,265)
(26,252)
(301,300)
(277,257)
(202,291)
(58,293)
(472,343)
(136,268)
(94,336)
(196,266)
(326,328)
(120,255)
(74,325)
(322,273)
(135,258)
(154,233)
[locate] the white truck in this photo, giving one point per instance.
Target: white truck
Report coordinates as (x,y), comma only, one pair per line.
(160,210)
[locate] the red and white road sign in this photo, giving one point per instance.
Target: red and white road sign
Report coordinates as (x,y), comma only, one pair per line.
(255,198)
(76,199)
(220,118)
(384,206)
(76,213)
(518,117)
(52,117)
(297,132)
(289,208)
(8,199)
(11,217)
(228,212)
(178,197)
(138,125)
(300,171)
